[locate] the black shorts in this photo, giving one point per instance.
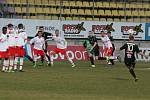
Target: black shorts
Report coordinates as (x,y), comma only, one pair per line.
(129,63)
(96,52)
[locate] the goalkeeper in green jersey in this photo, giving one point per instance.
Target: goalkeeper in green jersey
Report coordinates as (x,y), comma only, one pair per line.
(92,47)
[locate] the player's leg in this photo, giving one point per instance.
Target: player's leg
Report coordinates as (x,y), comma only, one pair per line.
(15,63)
(21,64)
(47,57)
(91,59)
(70,60)
(12,52)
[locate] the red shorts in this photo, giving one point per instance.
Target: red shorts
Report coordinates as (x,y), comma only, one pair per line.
(38,52)
(62,51)
(11,51)
(20,52)
(3,54)
(108,51)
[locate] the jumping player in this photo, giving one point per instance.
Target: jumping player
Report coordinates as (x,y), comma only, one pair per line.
(92,47)
(39,43)
(130,49)
(61,46)
(4,49)
(21,40)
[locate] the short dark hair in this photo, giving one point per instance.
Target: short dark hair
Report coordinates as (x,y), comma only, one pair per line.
(131,37)
(4,28)
(10,25)
(40,31)
(102,31)
(109,32)
(20,26)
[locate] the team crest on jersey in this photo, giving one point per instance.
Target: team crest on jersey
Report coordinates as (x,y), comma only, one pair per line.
(106,28)
(134,30)
(73,28)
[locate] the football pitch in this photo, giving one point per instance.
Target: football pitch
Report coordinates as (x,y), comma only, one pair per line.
(61,82)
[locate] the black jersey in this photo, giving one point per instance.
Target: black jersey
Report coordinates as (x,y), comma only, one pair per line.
(92,40)
(46,35)
(130,49)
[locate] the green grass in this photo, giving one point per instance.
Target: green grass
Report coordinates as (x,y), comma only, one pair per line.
(62,82)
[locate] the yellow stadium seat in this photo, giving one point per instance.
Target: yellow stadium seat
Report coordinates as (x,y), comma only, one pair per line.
(82,18)
(52,3)
(66,3)
(58,10)
(143,20)
(88,12)
(89,19)
(54,18)
(147,13)
(101,12)
(135,13)
(18,10)
(130,20)
(58,2)
(95,12)
(110,19)
(96,19)
(31,1)
(46,10)
(139,5)
(66,11)
(115,12)
(16,1)
(32,10)
(68,18)
(108,13)
(72,3)
(40,17)
(9,1)
(79,4)
(106,4)
(128,13)
(39,10)
(24,9)
(147,6)
(86,4)
(142,13)
(75,18)
(53,11)
(74,11)
(148,19)
(33,17)
(38,2)
(99,4)
(92,4)
(127,5)
(121,12)
(120,5)
(47,17)
(116,19)
(102,19)
(24,17)
(45,2)
(137,20)
(132,5)
(23,1)
(113,5)
(80,11)
(123,20)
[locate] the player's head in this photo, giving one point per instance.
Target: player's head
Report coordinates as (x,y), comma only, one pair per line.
(91,33)
(57,33)
(10,26)
(40,33)
(20,26)
(41,28)
(4,30)
(109,34)
(102,33)
(131,38)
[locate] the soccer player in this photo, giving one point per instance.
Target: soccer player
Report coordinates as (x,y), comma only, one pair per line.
(39,43)
(92,47)
(21,40)
(113,46)
(130,49)
(61,46)
(46,36)
(4,49)
(11,32)
(108,48)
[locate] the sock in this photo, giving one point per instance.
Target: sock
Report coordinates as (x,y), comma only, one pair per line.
(42,59)
(21,63)
(92,60)
(11,63)
(4,65)
(70,60)
(47,56)
(51,60)
(132,73)
(15,63)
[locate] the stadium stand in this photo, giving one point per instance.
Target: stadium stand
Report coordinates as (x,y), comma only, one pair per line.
(103,10)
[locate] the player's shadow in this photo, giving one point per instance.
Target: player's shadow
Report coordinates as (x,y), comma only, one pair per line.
(122,79)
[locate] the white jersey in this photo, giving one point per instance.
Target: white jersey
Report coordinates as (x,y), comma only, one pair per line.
(3,42)
(11,38)
(21,38)
(61,43)
(106,41)
(38,42)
